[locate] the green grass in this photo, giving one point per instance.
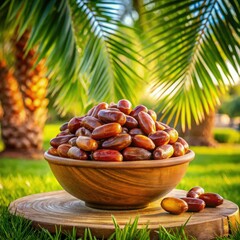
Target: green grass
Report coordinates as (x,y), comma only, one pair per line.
(215,169)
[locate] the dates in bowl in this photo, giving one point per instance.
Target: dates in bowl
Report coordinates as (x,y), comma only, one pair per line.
(118,157)
(117,132)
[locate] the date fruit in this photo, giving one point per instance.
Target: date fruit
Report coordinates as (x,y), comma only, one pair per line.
(184,143)
(131,122)
(152,114)
(63,149)
(124,106)
(178,149)
(109,116)
(163,152)
(99,107)
(108,155)
(174,205)
(53,151)
(146,123)
(77,153)
(136,131)
(106,131)
(136,153)
(64,126)
(159,126)
(118,142)
(194,204)
(140,108)
(173,134)
(72,141)
(74,124)
(91,123)
(86,143)
(211,199)
(55,142)
(82,131)
(195,192)
(143,142)
(160,138)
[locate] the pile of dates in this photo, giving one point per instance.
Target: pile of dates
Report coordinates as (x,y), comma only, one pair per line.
(195,201)
(116,132)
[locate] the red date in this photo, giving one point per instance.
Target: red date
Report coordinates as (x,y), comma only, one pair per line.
(77,153)
(106,131)
(63,149)
(211,199)
(118,142)
(55,142)
(131,122)
(112,116)
(107,155)
(178,149)
(74,124)
(99,107)
(91,123)
(143,142)
(124,106)
(163,152)
(160,138)
(136,153)
(146,123)
(194,204)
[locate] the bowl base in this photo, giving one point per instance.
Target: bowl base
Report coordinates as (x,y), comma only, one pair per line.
(110,207)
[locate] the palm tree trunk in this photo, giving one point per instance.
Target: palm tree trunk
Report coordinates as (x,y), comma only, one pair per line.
(24,103)
(202,134)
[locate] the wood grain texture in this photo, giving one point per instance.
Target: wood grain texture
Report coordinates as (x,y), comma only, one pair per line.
(119,185)
(61,209)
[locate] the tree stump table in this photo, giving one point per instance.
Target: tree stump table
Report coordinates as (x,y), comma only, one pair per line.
(59,208)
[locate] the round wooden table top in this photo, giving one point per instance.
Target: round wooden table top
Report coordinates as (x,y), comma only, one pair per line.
(61,209)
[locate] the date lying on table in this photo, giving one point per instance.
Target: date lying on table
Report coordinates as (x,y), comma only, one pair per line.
(117,132)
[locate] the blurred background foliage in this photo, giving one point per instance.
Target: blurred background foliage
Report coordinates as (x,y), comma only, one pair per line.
(178,57)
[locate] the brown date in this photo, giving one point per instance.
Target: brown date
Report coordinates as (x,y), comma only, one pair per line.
(160,138)
(178,149)
(114,109)
(195,192)
(107,155)
(143,142)
(131,122)
(173,134)
(112,105)
(99,107)
(146,123)
(63,149)
(64,126)
(90,111)
(140,108)
(174,205)
(55,142)
(136,153)
(72,141)
(74,124)
(91,123)
(211,199)
(184,143)
(53,151)
(118,142)
(64,132)
(163,152)
(194,204)
(136,131)
(152,114)
(86,143)
(82,131)
(159,126)
(124,106)
(124,130)
(106,131)
(108,116)
(77,153)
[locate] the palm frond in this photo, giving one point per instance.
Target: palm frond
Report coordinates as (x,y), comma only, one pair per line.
(89,53)
(107,51)
(193,44)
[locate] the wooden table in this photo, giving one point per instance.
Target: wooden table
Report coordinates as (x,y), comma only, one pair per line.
(61,209)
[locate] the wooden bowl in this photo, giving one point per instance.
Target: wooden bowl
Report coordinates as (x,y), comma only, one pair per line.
(119,185)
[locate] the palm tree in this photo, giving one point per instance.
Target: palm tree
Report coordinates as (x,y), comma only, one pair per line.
(182,55)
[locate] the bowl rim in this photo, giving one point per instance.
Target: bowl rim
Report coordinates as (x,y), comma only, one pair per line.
(189,156)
